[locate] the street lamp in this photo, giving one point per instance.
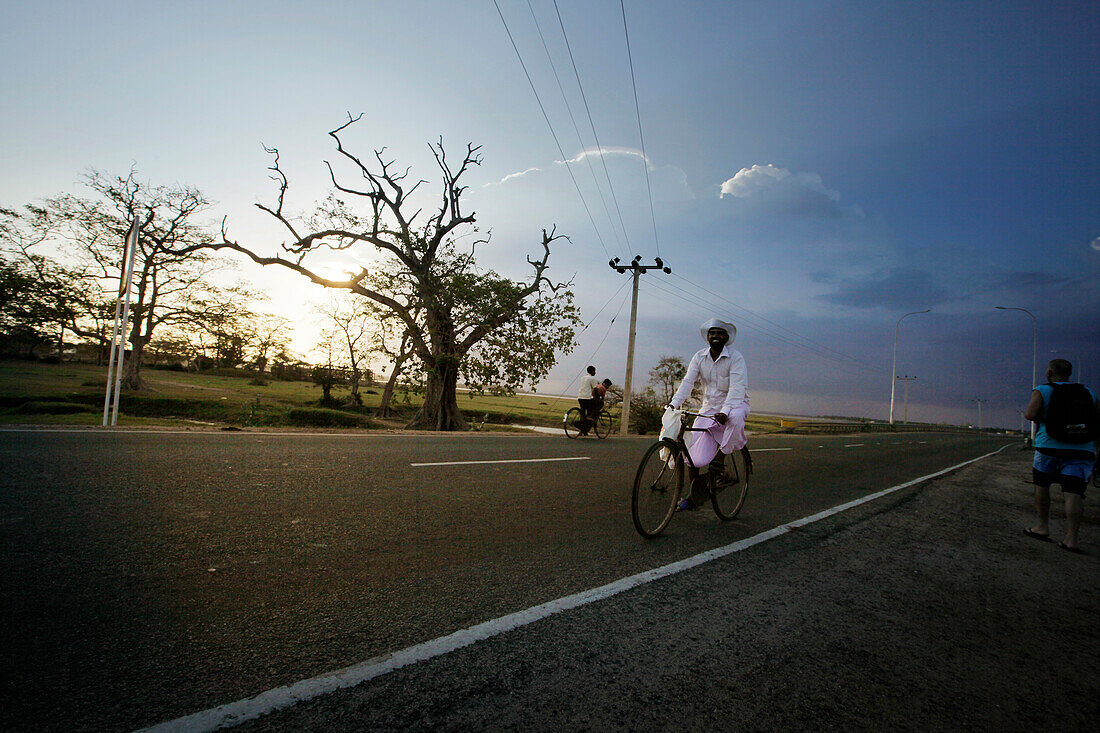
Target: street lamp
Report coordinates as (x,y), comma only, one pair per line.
(1034,349)
(894,369)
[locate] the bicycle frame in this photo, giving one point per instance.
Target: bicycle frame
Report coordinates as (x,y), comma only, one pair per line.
(685,427)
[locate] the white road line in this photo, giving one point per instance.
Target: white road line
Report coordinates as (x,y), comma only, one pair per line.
(767,450)
(510,460)
(280,698)
(854,445)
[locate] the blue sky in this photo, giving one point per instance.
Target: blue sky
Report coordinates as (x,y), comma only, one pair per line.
(817,169)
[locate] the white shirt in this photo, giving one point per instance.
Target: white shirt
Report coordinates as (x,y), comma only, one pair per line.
(725,381)
(588,383)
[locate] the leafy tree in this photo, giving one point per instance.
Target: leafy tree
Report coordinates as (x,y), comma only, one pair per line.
(170,287)
(41,299)
(271,336)
(665,378)
(450,309)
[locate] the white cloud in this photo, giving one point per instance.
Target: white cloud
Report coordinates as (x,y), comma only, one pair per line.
(608,152)
(769,180)
(1095,244)
(510,176)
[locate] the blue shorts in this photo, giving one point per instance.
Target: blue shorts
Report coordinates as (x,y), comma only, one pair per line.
(1072,474)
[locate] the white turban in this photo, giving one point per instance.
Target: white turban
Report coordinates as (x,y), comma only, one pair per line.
(729,328)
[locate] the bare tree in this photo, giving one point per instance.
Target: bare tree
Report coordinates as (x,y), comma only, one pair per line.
(454,306)
(352,334)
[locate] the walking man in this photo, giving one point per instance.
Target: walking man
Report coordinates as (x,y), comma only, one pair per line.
(1068,416)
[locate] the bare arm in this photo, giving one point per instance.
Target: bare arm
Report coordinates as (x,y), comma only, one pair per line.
(1034,409)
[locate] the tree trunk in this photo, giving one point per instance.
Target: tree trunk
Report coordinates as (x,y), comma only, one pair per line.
(131,371)
(391,383)
(440,409)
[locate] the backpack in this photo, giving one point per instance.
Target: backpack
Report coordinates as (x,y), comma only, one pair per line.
(1071,414)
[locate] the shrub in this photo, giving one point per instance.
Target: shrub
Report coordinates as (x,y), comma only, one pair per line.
(645,413)
(320,417)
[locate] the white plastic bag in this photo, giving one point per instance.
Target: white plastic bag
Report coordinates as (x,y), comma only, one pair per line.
(671,427)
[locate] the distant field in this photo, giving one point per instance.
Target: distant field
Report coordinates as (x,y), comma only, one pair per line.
(34,393)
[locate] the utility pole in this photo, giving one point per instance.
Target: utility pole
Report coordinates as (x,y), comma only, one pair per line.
(979,401)
(907,380)
(636,269)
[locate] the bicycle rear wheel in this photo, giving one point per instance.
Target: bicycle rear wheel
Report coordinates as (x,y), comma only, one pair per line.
(603,425)
(570,424)
(732,486)
(657,488)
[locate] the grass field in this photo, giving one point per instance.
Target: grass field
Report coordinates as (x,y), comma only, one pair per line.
(72,394)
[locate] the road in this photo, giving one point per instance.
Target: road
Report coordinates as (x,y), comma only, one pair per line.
(149,575)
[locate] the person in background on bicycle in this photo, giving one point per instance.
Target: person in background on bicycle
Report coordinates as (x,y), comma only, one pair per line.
(722,372)
(588,399)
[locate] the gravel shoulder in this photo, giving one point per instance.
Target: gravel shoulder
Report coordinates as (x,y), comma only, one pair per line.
(927,609)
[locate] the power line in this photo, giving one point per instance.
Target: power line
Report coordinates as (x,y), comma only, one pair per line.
(641,138)
(551,126)
(698,301)
(576,128)
(592,124)
(753,314)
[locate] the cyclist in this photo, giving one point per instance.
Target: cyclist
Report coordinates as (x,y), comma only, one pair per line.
(721,370)
(589,401)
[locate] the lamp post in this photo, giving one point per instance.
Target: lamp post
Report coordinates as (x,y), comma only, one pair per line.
(894,369)
(1034,351)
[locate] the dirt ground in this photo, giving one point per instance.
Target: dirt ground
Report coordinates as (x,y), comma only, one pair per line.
(924,610)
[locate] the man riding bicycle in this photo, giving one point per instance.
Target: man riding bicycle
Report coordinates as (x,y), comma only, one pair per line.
(721,420)
(589,399)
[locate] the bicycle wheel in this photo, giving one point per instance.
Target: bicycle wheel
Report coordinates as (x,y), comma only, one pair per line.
(603,425)
(657,488)
(570,423)
(732,486)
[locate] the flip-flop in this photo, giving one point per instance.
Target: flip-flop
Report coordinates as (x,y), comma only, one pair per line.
(1074,550)
(1037,536)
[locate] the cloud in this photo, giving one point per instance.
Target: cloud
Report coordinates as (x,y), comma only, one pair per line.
(510,176)
(1095,244)
(897,289)
(607,153)
(768,189)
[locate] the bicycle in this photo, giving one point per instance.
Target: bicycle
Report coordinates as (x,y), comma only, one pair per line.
(659,482)
(576,424)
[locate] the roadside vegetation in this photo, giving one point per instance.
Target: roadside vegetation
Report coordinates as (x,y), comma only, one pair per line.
(72,394)
(39,393)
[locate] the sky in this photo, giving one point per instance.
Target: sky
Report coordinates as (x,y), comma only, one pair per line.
(813,171)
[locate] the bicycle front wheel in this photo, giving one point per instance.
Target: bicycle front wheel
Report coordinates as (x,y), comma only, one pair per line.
(603,425)
(571,419)
(732,486)
(657,488)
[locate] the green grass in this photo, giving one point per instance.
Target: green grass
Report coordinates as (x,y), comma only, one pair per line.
(72,394)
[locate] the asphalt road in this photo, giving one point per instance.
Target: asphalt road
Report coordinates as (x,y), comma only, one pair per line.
(152,575)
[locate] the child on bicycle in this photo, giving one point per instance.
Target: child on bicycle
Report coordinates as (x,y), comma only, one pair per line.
(721,370)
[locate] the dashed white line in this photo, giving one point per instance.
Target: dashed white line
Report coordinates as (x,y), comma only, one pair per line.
(854,445)
(510,460)
(280,698)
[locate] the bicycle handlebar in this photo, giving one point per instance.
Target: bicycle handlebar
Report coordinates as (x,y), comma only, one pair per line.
(689,412)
